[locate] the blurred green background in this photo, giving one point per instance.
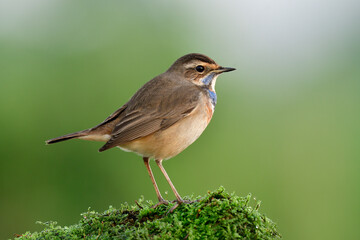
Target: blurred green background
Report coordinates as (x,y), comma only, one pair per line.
(286,127)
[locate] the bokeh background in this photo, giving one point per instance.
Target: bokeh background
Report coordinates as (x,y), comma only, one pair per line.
(286,127)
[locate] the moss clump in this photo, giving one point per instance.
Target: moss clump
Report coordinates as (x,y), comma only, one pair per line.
(218,215)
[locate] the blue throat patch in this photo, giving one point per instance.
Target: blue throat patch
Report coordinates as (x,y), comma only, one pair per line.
(207,82)
(208,79)
(212,96)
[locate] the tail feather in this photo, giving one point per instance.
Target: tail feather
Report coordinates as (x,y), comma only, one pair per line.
(67,137)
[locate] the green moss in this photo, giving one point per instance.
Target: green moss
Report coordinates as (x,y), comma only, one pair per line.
(217,215)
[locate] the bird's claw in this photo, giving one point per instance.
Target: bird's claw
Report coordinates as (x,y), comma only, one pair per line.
(161,202)
(178,202)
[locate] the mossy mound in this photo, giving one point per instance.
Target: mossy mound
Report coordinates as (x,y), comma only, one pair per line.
(217,215)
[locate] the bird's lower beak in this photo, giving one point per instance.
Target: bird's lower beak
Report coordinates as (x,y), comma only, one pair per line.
(224,69)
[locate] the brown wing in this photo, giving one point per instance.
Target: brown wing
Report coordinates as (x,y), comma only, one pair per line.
(148,113)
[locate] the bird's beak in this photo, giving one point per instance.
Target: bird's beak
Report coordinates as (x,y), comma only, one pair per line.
(224,69)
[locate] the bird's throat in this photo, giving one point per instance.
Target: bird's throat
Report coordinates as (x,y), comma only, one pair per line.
(209,83)
(213,97)
(207,80)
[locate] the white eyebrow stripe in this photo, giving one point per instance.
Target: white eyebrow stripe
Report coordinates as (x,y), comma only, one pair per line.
(190,65)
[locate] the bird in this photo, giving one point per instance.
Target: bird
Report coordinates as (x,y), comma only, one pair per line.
(165,116)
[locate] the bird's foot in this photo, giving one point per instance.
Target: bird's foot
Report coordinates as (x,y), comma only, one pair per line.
(185,201)
(161,202)
(178,202)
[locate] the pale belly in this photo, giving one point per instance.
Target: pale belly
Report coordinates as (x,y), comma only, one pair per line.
(173,140)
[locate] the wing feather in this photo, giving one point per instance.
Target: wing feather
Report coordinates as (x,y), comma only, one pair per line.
(140,120)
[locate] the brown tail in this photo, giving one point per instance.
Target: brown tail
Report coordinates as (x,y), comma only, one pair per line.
(67,137)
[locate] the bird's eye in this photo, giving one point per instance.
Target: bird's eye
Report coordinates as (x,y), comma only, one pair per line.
(200,68)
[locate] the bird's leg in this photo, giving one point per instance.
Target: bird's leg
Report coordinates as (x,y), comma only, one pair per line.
(161,199)
(179,200)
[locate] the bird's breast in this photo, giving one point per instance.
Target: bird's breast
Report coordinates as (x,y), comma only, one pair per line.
(167,143)
(210,103)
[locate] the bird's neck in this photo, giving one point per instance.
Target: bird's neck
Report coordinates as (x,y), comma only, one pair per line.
(212,96)
(209,84)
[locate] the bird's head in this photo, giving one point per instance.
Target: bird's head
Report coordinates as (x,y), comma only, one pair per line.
(198,69)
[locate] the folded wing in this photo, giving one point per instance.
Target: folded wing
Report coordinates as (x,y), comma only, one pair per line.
(147,114)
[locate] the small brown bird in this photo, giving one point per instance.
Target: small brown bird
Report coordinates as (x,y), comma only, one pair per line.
(163,117)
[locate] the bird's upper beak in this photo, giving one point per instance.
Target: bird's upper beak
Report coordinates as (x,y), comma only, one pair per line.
(224,69)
